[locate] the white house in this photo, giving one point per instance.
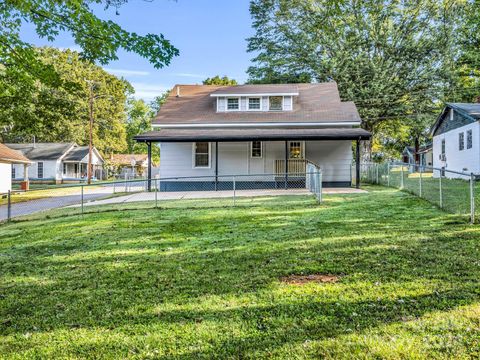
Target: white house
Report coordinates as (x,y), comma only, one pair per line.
(8,158)
(57,162)
(456,139)
(271,130)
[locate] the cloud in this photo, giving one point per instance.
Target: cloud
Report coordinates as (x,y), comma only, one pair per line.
(127,72)
(148,91)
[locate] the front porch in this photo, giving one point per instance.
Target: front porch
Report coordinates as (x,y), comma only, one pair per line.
(75,171)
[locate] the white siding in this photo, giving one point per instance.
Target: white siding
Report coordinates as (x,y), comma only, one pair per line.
(51,170)
(334,157)
(287,103)
(243,103)
(5,177)
(467,160)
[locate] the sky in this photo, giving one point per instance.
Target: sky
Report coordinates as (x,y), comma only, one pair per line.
(210,35)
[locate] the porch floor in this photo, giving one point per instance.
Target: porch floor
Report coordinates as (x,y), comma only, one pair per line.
(150,196)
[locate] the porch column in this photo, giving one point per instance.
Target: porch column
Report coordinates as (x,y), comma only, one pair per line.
(286,164)
(357,165)
(26,181)
(216,165)
(149,183)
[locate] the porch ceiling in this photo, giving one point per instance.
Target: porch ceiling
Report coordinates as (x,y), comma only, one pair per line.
(230,135)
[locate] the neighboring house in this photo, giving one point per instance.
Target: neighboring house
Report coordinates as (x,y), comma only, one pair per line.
(8,159)
(129,164)
(208,130)
(425,156)
(456,138)
(57,162)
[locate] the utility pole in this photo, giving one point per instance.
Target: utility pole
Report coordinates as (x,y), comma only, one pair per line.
(90,142)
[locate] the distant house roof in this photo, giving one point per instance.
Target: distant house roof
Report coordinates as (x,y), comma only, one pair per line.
(80,152)
(8,155)
(469,111)
(316,103)
(126,159)
(472,109)
(42,151)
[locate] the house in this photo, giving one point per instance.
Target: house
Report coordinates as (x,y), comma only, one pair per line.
(129,165)
(57,162)
(456,138)
(425,156)
(8,158)
(271,130)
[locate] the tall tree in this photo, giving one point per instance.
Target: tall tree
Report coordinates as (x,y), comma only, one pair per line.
(99,39)
(217,80)
(30,108)
(390,57)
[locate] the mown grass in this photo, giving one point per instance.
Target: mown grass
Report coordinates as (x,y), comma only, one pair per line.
(204,281)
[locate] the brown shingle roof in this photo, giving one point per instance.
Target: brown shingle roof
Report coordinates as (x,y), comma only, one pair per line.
(125,159)
(315,103)
(11,156)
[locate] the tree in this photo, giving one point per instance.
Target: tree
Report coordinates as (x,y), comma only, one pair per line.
(217,80)
(158,101)
(139,117)
(30,108)
(391,57)
(99,39)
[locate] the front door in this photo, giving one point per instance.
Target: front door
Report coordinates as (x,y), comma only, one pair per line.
(296,150)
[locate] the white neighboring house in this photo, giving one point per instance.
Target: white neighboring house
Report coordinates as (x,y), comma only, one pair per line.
(57,162)
(456,139)
(8,159)
(273,129)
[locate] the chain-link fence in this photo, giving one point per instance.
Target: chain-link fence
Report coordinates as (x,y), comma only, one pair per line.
(222,190)
(455,192)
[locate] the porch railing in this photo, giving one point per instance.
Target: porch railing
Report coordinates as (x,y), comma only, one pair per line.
(296,167)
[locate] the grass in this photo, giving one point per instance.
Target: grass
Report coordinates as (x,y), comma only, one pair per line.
(43,193)
(202,280)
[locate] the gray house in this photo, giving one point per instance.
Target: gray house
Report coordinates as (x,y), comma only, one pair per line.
(56,162)
(268,130)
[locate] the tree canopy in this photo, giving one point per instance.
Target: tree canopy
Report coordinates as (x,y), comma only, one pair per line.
(217,80)
(30,108)
(395,59)
(99,39)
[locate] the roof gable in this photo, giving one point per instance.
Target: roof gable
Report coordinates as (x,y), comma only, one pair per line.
(42,151)
(12,156)
(463,114)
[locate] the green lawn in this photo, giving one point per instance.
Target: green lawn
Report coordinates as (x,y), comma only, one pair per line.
(203,281)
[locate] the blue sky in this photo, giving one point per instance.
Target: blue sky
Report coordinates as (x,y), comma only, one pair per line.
(210,34)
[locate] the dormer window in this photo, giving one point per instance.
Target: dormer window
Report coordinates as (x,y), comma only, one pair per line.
(275,103)
(233,104)
(254,103)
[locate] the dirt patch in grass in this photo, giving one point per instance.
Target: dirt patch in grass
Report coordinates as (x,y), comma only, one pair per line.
(305,279)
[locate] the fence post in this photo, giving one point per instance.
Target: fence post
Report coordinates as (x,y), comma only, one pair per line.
(126,189)
(156,193)
(234,190)
(401,179)
(376,170)
(420,193)
(9,205)
(320,193)
(472,198)
(440,189)
(82,199)
(388,174)
(114,185)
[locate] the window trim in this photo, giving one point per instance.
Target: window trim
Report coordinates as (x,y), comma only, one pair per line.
(233,97)
(254,97)
(302,150)
(469,139)
(261,150)
(38,170)
(283,99)
(461,141)
(209,155)
(14,172)
(443,146)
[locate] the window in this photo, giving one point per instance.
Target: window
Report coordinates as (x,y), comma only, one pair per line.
(64,169)
(256,149)
(253,103)
(469,139)
(40,170)
(295,150)
(232,104)
(461,141)
(201,154)
(276,103)
(443,146)
(13,172)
